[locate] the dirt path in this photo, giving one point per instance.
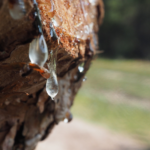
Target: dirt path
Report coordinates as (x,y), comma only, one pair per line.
(79,135)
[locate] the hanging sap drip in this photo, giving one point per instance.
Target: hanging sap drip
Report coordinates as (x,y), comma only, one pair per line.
(52,83)
(66,120)
(68,117)
(84,79)
(38,52)
(81,67)
(17,9)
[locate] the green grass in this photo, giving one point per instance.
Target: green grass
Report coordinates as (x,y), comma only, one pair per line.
(130,78)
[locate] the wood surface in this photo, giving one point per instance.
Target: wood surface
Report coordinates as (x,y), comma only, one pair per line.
(27,113)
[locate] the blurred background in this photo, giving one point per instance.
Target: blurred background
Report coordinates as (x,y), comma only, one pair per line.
(112,109)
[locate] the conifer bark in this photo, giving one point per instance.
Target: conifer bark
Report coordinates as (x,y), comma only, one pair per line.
(27,113)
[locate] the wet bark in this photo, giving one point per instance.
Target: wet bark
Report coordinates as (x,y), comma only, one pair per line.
(27,113)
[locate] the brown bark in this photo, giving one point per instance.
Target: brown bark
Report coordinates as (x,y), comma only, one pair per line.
(27,113)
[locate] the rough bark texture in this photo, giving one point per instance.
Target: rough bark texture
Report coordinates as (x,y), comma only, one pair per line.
(27,113)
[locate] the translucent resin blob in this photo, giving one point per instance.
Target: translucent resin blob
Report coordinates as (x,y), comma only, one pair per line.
(38,52)
(81,67)
(68,117)
(52,83)
(84,79)
(57,21)
(17,9)
(66,120)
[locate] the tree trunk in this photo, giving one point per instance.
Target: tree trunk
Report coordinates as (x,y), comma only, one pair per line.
(27,113)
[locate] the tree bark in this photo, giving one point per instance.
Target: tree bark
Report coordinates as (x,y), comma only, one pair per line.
(27,113)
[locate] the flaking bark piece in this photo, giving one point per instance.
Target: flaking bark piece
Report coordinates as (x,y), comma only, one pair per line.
(31,127)
(43,97)
(10,137)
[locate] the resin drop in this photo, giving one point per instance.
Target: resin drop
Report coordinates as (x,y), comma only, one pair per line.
(57,21)
(81,67)
(52,83)
(68,117)
(66,120)
(38,52)
(84,79)
(17,9)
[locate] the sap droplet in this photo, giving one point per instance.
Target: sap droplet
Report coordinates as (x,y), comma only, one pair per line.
(84,79)
(38,52)
(81,67)
(57,21)
(52,85)
(66,120)
(68,117)
(17,9)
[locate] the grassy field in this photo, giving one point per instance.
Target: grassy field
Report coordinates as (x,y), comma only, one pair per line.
(117,95)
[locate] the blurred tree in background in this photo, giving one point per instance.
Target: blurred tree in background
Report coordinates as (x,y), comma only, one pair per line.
(125,32)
